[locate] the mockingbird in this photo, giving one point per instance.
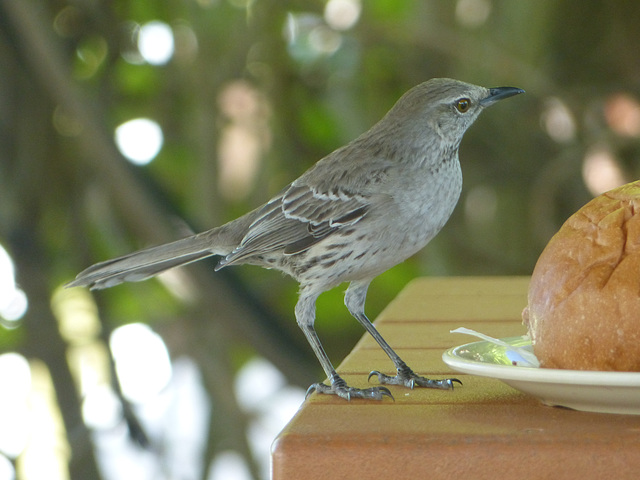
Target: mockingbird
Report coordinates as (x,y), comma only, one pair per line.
(356,213)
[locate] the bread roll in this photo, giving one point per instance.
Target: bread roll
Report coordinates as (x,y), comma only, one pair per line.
(584,298)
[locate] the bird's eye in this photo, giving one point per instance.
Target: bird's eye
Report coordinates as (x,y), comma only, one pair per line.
(463,105)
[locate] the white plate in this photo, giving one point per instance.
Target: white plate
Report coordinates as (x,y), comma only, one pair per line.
(592,391)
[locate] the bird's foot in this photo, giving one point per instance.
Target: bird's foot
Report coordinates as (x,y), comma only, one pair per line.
(406,377)
(340,388)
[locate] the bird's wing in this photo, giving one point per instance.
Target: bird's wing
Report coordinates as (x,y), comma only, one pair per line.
(297,218)
(335,193)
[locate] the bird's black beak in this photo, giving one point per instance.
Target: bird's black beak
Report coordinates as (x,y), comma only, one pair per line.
(499,93)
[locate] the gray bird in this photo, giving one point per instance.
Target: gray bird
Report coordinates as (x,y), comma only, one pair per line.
(356,213)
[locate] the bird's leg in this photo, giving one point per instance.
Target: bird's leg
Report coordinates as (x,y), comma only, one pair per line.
(305,315)
(354,299)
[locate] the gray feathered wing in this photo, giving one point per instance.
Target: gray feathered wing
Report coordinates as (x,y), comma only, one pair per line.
(296,219)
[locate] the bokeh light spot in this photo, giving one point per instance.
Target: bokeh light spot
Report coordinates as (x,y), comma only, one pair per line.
(142,361)
(139,140)
(342,14)
(155,42)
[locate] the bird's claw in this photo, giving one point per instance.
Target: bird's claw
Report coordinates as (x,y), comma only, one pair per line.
(342,390)
(407,378)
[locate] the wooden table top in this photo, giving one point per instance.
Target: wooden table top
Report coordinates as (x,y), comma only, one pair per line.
(483,429)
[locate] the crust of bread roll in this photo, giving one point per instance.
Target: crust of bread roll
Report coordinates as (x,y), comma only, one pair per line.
(584,298)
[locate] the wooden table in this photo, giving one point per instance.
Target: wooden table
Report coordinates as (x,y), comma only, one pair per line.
(483,429)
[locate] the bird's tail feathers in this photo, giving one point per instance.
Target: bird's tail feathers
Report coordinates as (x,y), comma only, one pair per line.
(149,262)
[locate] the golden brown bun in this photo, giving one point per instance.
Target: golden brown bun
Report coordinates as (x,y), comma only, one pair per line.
(584,297)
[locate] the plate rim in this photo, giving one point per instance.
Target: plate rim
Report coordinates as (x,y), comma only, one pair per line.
(535,374)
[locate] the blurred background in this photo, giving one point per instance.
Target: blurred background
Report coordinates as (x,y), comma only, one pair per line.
(128,123)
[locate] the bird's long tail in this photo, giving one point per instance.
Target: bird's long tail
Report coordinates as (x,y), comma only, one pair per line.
(146,263)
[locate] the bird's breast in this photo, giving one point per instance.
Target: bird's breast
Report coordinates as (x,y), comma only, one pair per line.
(426,201)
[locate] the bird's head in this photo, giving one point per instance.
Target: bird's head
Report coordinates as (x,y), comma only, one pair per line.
(445,106)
